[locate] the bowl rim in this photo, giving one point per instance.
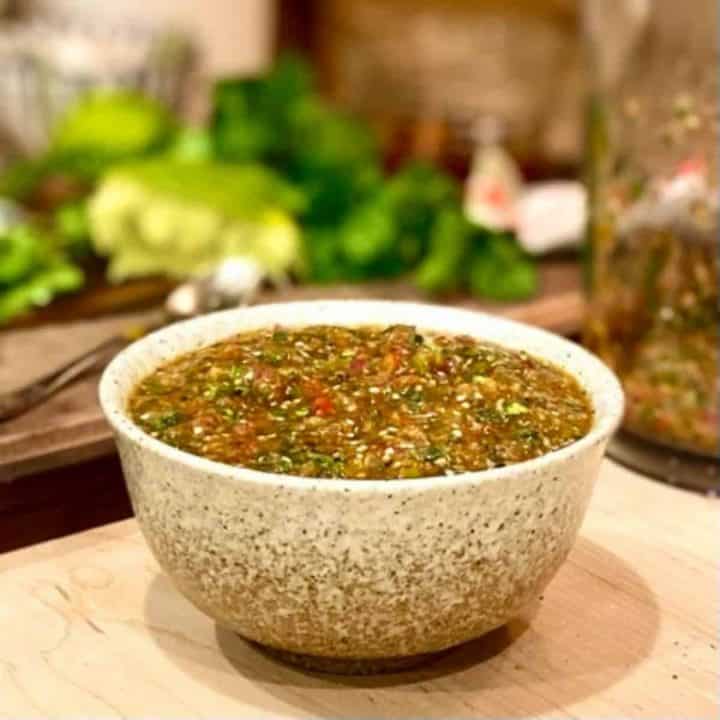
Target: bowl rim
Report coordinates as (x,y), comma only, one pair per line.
(604,425)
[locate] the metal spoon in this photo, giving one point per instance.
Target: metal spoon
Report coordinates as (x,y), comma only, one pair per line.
(234,282)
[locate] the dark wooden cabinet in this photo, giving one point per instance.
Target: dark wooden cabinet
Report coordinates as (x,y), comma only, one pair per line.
(63,501)
(424,71)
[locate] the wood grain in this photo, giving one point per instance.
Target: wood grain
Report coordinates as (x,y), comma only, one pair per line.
(69,428)
(628,628)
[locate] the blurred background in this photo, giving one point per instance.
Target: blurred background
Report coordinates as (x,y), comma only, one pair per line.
(551,160)
(406,155)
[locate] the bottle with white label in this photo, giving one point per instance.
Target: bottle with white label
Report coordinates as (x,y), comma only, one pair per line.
(494,184)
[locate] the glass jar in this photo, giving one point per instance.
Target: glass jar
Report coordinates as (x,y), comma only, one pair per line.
(652,173)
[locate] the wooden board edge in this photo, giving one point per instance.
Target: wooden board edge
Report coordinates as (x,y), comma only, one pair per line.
(83,439)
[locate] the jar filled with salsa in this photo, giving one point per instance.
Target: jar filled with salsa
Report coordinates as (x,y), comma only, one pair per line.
(652,171)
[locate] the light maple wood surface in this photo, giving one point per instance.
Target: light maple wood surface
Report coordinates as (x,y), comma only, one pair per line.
(89,627)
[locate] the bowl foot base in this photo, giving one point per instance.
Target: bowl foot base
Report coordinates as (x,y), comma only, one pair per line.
(348,666)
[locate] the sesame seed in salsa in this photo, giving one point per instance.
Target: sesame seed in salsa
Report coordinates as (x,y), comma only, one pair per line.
(361,403)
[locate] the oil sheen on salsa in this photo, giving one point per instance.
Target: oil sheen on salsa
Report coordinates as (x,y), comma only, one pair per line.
(367,402)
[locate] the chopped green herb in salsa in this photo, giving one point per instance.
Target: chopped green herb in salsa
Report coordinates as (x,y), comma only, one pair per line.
(380,403)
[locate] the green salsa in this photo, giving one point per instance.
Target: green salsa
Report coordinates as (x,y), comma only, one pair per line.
(365,402)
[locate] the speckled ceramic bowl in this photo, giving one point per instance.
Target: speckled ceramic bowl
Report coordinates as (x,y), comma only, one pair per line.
(366,574)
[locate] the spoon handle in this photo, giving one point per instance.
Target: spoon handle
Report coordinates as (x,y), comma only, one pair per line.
(16,402)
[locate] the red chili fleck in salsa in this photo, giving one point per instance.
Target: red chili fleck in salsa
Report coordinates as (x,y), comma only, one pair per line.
(379,403)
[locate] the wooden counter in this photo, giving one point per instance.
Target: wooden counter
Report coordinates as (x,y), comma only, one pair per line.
(90,628)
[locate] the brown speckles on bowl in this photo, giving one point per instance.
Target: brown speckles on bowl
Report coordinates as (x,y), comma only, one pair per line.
(358,575)
(358,570)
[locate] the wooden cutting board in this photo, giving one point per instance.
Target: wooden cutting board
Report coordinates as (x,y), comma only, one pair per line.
(69,428)
(91,627)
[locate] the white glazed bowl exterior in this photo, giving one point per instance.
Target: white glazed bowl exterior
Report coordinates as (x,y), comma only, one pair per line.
(363,568)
